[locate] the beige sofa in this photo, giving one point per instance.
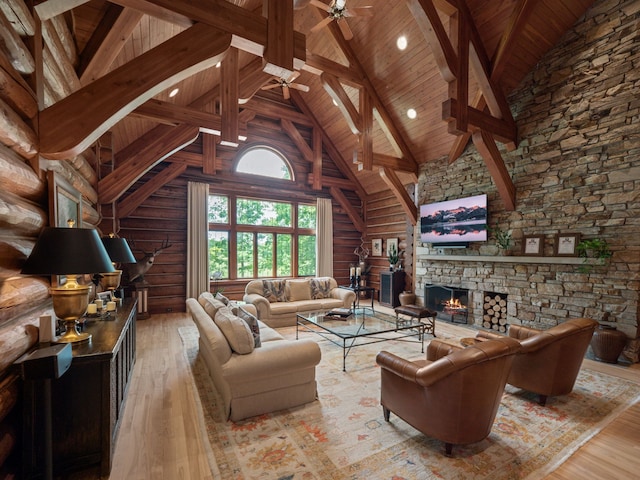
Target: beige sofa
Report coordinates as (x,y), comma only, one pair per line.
(277,301)
(276,375)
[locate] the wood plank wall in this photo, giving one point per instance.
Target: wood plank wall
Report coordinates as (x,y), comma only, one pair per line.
(164,214)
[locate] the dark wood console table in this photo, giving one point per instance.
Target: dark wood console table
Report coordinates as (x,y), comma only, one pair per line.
(87,401)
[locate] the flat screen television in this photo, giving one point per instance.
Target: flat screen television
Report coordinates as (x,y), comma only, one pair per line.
(454,222)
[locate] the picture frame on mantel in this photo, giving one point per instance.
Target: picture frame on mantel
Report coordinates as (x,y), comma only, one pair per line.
(533,245)
(566,244)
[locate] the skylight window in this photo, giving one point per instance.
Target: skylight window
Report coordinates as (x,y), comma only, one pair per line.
(264,161)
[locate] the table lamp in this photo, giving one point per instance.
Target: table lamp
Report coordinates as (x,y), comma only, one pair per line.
(119,252)
(68,251)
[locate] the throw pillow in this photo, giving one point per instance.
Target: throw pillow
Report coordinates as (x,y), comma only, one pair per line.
(210,304)
(252,321)
(236,331)
(320,288)
(274,290)
(222,298)
(299,290)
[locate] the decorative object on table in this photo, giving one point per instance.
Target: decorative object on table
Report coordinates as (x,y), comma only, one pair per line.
(363,253)
(376,247)
(566,244)
(533,245)
(119,253)
(607,343)
(593,248)
(216,276)
(341,313)
(68,251)
(392,253)
(407,298)
(502,238)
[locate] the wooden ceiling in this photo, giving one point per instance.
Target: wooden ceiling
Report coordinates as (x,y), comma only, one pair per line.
(513,34)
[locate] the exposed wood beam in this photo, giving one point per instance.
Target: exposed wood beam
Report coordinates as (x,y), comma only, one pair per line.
(229,98)
(395,163)
(17,52)
(477,119)
(59,54)
(395,185)
(278,53)
(19,15)
(351,212)
(209,152)
(293,133)
(127,206)
(51,8)
(329,146)
(113,96)
(350,113)
(366,138)
(461,83)
(318,65)
(252,78)
(157,11)
(116,183)
(486,145)
(248,30)
(109,37)
(317,160)
(15,91)
(272,109)
(327,181)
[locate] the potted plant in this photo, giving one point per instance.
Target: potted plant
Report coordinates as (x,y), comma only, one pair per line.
(394,257)
(502,237)
(593,248)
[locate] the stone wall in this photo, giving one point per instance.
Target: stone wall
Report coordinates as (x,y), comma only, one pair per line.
(576,170)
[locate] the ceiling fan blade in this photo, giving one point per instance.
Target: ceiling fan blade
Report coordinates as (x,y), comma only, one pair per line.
(322,23)
(293,76)
(344,28)
(360,12)
(299,86)
(270,87)
(319,4)
(285,92)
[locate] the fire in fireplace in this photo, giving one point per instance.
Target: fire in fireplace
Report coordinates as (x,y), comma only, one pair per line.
(450,303)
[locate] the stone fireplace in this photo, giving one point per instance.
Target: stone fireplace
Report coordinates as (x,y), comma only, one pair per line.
(452,304)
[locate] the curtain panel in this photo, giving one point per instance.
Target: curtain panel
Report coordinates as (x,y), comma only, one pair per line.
(324,238)
(197,239)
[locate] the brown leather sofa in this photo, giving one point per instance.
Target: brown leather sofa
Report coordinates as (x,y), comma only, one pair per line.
(454,394)
(550,360)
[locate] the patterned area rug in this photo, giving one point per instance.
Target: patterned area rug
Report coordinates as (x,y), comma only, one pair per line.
(343,434)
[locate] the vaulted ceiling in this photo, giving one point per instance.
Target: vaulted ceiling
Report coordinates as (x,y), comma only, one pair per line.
(462,60)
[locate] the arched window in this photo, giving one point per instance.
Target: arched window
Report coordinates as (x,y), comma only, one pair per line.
(265,161)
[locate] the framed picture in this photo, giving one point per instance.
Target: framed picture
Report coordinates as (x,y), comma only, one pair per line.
(392,242)
(376,247)
(65,202)
(105,296)
(566,244)
(533,245)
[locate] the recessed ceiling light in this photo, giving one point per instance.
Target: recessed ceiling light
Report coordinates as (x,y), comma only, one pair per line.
(173,92)
(411,113)
(402,42)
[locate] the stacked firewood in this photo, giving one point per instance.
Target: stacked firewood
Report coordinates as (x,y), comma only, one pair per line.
(495,312)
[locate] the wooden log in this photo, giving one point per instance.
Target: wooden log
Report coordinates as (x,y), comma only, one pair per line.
(18,177)
(59,55)
(66,38)
(84,168)
(90,215)
(8,394)
(20,215)
(15,133)
(17,94)
(15,340)
(14,250)
(19,17)
(54,74)
(69,173)
(15,49)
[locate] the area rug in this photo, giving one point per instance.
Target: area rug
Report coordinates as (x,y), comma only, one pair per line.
(343,434)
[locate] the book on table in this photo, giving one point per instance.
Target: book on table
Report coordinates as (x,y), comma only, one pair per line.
(339,313)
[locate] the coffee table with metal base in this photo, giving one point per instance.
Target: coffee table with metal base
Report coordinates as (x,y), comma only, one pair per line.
(360,328)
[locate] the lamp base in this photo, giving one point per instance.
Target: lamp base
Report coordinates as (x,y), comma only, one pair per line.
(71,334)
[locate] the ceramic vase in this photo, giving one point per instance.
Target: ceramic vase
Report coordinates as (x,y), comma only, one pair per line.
(607,343)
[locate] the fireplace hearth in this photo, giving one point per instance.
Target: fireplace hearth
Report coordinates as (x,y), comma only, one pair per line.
(451,303)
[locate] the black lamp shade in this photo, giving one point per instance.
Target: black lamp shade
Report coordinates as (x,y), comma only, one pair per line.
(67,251)
(118,250)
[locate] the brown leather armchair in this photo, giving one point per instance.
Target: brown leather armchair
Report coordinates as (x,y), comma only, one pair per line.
(454,394)
(550,360)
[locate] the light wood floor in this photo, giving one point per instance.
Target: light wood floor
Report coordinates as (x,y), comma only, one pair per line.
(159,437)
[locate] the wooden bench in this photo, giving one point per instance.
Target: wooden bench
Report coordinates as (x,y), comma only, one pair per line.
(419,313)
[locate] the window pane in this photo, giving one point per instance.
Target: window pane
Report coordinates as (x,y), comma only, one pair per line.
(306,216)
(245,255)
(306,255)
(283,255)
(265,255)
(257,212)
(218,209)
(265,162)
(219,254)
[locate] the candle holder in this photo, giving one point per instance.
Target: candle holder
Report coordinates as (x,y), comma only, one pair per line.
(358,277)
(352,281)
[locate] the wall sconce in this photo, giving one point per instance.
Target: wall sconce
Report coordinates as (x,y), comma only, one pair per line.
(72,252)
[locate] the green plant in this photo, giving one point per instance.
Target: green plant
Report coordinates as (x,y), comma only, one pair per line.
(594,248)
(502,237)
(394,255)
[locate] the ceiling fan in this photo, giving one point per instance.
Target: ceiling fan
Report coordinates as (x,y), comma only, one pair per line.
(338,11)
(286,84)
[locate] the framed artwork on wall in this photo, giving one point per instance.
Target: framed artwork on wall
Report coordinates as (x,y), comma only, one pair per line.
(533,245)
(392,242)
(65,202)
(376,247)
(566,244)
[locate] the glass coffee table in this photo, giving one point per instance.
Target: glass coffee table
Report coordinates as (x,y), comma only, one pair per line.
(361,328)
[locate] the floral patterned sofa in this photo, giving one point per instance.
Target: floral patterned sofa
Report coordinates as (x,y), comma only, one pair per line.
(278,301)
